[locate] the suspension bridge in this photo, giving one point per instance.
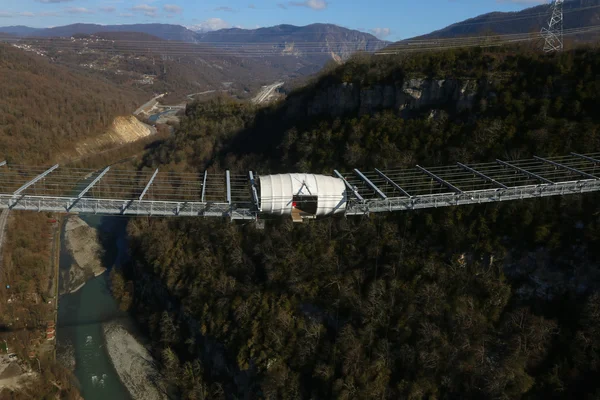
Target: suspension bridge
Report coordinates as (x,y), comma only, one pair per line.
(249,196)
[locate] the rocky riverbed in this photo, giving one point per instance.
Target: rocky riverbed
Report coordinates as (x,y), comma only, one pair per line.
(83,245)
(134,364)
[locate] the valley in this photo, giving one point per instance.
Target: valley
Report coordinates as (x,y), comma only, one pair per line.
(496,300)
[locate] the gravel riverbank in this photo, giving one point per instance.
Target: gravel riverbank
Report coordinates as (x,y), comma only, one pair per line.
(83,244)
(134,364)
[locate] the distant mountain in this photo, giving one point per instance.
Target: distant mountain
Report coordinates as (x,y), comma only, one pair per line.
(19,30)
(316,41)
(311,47)
(577,14)
(163,31)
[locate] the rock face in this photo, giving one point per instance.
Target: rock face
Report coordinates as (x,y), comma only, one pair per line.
(83,244)
(411,94)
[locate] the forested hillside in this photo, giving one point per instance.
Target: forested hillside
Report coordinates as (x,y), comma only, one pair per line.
(46,109)
(488,302)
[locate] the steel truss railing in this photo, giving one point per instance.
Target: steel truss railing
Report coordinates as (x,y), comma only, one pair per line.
(225,195)
(472,197)
(124,207)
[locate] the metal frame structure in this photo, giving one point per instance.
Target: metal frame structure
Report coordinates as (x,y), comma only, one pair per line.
(440,180)
(228,183)
(391,182)
(557,165)
(523,171)
(370,184)
(348,186)
(479,174)
(594,160)
(89,187)
(112,192)
(553,34)
(148,185)
(34,180)
(254,190)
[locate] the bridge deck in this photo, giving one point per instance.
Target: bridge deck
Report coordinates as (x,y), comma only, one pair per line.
(212,194)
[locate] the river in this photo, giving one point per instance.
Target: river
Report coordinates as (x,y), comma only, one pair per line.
(81,315)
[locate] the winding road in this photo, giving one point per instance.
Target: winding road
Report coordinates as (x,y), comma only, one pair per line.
(266,92)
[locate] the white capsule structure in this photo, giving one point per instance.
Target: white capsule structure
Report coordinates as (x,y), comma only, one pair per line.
(302,195)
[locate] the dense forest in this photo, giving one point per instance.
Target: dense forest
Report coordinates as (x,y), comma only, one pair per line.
(57,108)
(498,301)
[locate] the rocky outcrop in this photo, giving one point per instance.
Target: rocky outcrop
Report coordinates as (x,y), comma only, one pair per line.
(412,94)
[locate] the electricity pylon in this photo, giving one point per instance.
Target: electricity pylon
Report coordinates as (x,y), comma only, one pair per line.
(553,34)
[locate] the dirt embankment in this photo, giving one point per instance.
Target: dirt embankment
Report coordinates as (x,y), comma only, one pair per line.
(133,363)
(124,130)
(83,244)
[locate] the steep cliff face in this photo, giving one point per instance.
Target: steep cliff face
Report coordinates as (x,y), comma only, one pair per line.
(412,94)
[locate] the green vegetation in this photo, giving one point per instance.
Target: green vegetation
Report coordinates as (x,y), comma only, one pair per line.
(497,301)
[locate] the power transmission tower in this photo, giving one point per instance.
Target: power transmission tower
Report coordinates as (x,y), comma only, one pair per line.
(553,34)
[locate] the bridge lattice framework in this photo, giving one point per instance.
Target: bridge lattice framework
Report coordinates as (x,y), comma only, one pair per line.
(110,191)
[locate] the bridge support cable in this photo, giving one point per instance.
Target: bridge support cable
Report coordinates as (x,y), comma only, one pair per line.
(557,165)
(483,176)
(254,191)
(440,180)
(204,186)
(348,186)
(594,160)
(391,182)
(2,163)
(34,181)
(228,183)
(524,171)
(370,184)
(88,188)
(148,185)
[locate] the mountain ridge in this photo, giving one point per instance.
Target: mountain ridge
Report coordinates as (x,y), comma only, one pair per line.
(577,14)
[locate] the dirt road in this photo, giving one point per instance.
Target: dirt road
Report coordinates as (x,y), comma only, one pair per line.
(3,221)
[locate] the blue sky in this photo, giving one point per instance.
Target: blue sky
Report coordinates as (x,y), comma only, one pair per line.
(388,19)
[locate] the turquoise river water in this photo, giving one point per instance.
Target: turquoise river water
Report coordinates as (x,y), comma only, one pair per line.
(82,314)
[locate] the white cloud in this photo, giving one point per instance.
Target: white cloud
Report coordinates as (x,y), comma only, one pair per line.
(53,1)
(224,8)
(148,11)
(381,32)
(108,9)
(314,4)
(79,10)
(211,24)
(126,15)
(4,14)
(172,8)
(48,14)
